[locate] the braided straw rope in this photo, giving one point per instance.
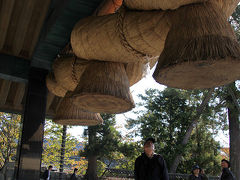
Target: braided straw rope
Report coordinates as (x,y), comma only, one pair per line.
(128,36)
(69,114)
(158,4)
(68,70)
(54,87)
(227,6)
(120,28)
(201,50)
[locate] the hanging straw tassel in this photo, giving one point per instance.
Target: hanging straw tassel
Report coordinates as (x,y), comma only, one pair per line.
(104,88)
(127,36)
(69,114)
(158,4)
(201,50)
(54,87)
(68,70)
(227,6)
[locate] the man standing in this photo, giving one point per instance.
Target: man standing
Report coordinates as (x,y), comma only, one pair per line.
(150,166)
(46,174)
(226,173)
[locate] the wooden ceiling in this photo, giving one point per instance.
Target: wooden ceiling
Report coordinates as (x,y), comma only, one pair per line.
(32,33)
(20,25)
(12,98)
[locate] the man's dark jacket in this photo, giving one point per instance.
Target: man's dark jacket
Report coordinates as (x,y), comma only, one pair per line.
(227,174)
(193,177)
(150,168)
(73,177)
(45,174)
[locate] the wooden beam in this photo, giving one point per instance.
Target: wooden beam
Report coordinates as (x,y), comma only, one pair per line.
(37,22)
(57,10)
(20,91)
(5,16)
(9,40)
(50,114)
(5,86)
(50,98)
(22,25)
(14,68)
(8,108)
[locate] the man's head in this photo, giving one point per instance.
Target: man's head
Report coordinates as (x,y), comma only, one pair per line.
(149,146)
(196,169)
(50,167)
(225,163)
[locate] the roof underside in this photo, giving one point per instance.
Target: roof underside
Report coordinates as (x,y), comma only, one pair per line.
(32,33)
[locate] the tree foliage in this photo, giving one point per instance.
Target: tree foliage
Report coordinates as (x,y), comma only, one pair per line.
(52,148)
(9,137)
(167,116)
(107,138)
(108,146)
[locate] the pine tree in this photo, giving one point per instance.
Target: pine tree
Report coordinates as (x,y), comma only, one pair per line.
(167,117)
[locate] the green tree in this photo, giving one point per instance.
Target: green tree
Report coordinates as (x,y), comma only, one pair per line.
(235,21)
(10,125)
(107,148)
(52,146)
(103,142)
(167,117)
(130,151)
(230,94)
(201,149)
(233,107)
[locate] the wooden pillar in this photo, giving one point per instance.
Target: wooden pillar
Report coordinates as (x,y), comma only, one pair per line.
(30,150)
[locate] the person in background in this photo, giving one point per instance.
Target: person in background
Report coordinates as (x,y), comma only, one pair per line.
(74,175)
(202,174)
(46,174)
(226,173)
(150,166)
(195,173)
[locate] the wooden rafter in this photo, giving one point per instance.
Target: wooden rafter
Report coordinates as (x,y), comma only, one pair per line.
(54,15)
(20,91)
(23,25)
(20,25)
(5,86)
(6,9)
(37,22)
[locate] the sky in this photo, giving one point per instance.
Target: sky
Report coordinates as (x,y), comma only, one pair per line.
(139,88)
